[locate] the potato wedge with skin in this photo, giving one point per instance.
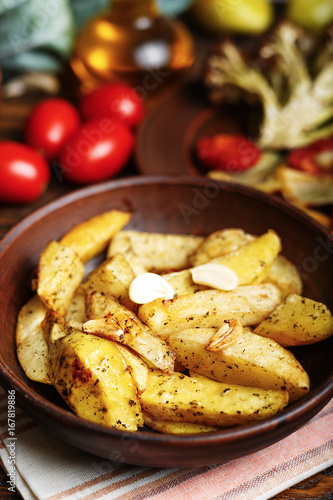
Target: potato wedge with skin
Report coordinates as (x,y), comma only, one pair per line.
(297,320)
(158,252)
(31,348)
(92,377)
(251,262)
(134,262)
(112,277)
(92,236)
(59,274)
(182,283)
(99,304)
(169,427)
(209,308)
(54,327)
(76,314)
(137,366)
(220,243)
(249,360)
(180,398)
(285,276)
(110,319)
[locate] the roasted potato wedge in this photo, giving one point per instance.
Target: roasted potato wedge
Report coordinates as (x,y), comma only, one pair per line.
(200,400)
(220,243)
(209,308)
(158,252)
(169,427)
(31,348)
(92,376)
(76,313)
(134,261)
(59,274)
(92,236)
(251,262)
(182,283)
(247,360)
(137,366)
(285,276)
(109,319)
(122,361)
(297,320)
(112,277)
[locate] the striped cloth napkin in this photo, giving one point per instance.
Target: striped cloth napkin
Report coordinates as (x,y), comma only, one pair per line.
(40,466)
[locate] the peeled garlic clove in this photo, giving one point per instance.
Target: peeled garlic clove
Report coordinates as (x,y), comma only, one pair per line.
(215,275)
(150,286)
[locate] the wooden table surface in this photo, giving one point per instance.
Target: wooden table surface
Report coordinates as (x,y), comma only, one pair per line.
(12,116)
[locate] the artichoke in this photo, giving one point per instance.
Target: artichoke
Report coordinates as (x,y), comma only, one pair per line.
(292,79)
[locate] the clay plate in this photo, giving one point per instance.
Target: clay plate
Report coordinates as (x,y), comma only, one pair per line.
(166,139)
(188,205)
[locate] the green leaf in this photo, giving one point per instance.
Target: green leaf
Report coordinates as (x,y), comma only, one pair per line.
(36,24)
(32,61)
(7,5)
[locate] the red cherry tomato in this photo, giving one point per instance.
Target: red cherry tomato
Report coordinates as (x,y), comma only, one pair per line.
(97,151)
(24,173)
(114,99)
(317,158)
(50,125)
(304,159)
(230,153)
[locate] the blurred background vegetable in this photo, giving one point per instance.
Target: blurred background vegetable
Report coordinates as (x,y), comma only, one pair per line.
(50,125)
(98,150)
(35,35)
(287,76)
(25,174)
(311,15)
(296,97)
(114,100)
(231,153)
(38,36)
(248,17)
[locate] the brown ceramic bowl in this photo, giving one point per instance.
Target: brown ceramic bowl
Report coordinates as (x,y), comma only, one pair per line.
(182,205)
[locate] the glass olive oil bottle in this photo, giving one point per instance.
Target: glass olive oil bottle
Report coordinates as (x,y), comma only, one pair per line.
(132,43)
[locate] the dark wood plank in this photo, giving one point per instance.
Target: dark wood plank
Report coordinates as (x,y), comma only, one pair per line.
(317,487)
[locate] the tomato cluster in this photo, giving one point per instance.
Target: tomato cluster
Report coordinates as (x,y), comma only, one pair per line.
(236,153)
(84,145)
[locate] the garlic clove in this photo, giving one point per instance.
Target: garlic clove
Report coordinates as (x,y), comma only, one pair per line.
(215,275)
(147,287)
(225,336)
